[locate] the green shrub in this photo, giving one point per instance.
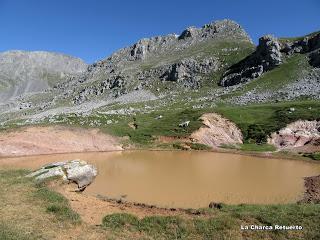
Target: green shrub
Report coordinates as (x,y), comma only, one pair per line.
(257,147)
(179,146)
(256,133)
(56,203)
(313,156)
(199,146)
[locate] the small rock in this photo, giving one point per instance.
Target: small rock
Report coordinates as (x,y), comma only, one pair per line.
(215,205)
(184,124)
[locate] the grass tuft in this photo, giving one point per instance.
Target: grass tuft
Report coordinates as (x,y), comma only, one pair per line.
(55,203)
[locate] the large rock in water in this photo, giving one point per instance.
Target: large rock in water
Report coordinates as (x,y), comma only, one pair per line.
(297,134)
(266,57)
(217,131)
(77,171)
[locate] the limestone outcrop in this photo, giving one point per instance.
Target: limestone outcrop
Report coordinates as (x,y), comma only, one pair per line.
(266,57)
(188,71)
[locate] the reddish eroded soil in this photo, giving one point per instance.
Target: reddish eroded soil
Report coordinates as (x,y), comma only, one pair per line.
(55,139)
(312,193)
(299,136)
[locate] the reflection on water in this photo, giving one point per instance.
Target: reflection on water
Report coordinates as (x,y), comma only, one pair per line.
(187,179)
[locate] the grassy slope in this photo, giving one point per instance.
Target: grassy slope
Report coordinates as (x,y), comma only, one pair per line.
(271,117)
(267,117)
(221,224)
(286,73)
(29,210)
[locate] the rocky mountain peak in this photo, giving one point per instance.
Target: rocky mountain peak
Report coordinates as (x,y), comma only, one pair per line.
(25,72)
(148,46)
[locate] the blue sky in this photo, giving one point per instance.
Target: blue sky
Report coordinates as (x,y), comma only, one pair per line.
(93,29)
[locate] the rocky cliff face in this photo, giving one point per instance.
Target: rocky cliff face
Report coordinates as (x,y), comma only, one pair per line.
(24,72)
(265,58)
(269,54)
(168,58)
(156,45)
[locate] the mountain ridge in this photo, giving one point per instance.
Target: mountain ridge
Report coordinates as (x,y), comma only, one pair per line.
(170,73)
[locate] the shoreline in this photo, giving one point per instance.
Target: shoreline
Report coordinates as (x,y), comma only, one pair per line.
(269,155)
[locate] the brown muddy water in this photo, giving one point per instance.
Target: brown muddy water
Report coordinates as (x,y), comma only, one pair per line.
(187,179)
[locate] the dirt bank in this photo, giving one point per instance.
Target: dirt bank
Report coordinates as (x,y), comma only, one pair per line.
(54,139)
(299,136)
(217,131)
(312,193)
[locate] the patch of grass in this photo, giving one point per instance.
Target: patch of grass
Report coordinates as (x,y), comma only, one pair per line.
(199,146)
(164,227)
(63,212)
(13,177)
(179,146)
(11,233)
(24,212)
(258,121)
(157,227)
(224,223)
(56,203)
(313,156)
(229,146)
(257,147)
(120,220)
(148,126)
(287,72)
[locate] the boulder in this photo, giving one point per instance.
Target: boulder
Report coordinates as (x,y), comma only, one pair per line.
(77,171)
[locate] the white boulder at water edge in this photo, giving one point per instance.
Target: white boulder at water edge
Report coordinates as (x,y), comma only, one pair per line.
(77,171)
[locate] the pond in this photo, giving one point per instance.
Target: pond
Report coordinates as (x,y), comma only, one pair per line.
(187,179)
